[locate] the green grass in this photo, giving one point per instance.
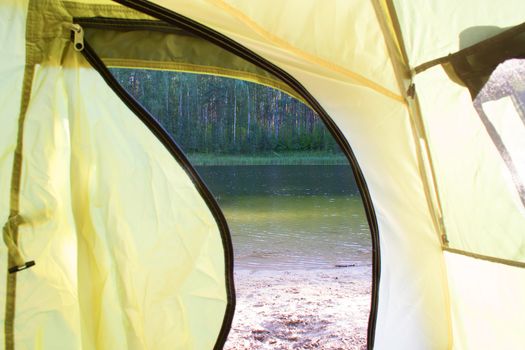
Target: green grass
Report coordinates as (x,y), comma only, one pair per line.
(285,158)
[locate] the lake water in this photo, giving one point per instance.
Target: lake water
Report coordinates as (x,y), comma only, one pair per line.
(292,217)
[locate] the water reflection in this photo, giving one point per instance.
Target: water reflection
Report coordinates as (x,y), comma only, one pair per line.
(292,217)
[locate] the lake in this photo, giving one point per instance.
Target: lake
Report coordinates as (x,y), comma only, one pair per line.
(291,217)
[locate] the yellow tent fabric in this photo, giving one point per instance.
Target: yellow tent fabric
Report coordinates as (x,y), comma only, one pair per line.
(129,252)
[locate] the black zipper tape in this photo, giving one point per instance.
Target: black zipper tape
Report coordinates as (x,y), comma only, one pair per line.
(120,24)
(194,28)
(164,137)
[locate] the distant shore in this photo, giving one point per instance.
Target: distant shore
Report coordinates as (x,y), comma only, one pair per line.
(274,158)
(323,309)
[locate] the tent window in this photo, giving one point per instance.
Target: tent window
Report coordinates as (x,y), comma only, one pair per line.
(494,72)
(475,66)
(505,90)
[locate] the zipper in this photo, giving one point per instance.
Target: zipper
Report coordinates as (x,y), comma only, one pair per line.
(163,136)
(128,24)
(169,21)
(230,45)
(77,33)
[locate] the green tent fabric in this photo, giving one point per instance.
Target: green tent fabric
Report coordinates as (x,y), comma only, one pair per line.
(113,242)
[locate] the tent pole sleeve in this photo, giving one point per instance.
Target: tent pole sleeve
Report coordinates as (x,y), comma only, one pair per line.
(389,22)
(10,303)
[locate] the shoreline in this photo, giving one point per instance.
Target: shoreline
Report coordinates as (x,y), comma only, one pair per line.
(285,158)
(301,309)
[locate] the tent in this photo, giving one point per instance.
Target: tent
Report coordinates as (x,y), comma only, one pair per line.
(113,242)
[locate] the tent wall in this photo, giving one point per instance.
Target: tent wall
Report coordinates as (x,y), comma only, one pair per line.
(448,214)
(434,29)
(12,35)
(481,196)
(367,106)
(487,303)
(432,172)
(406,229)
(128,253)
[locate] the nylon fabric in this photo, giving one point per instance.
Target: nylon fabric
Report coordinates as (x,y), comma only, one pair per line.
(402,211)
(406,226)
(157,277)
(12,65)
(129,48)
(46,296)
(394,41)
(486,312)
(434,29)
(128,254)
(8,233)
(327,36)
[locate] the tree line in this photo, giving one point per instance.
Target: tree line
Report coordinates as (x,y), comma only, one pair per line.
(212,114)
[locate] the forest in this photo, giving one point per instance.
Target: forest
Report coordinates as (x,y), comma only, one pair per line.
(208,114)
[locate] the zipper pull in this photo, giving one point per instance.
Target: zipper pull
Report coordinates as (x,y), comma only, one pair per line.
(78,37)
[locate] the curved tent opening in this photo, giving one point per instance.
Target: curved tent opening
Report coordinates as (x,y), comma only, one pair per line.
(160,48)
(302,250)
(107,38)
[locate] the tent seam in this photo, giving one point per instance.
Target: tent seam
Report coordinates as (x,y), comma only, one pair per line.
(201,69)
(414,110)
(278,41)
(10,305)
(493,259)
(393,36)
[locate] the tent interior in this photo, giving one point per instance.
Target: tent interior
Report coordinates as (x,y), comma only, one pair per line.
(112,241)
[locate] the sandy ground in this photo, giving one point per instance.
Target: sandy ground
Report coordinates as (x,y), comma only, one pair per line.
(301,309)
